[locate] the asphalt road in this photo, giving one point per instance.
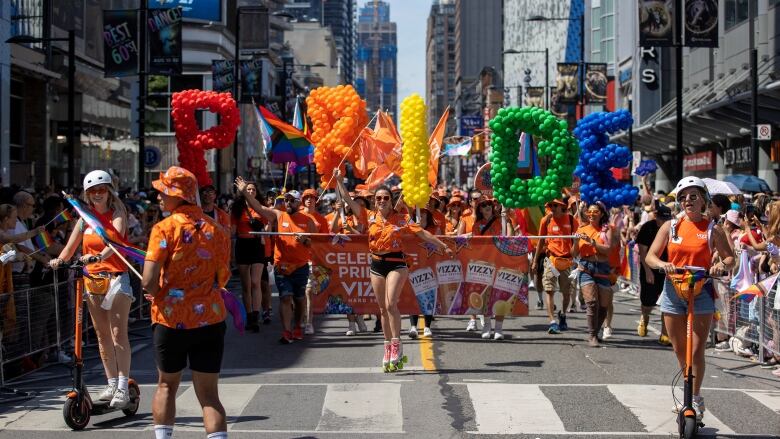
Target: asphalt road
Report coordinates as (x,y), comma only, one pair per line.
(531,385)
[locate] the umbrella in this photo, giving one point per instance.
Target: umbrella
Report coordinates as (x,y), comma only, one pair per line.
(748,183)
(721,187)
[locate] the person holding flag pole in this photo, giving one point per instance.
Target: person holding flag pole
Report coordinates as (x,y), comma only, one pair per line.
(107,286)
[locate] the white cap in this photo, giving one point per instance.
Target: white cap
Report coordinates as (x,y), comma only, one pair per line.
(97,177)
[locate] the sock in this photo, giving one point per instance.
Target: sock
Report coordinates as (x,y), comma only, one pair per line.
(122,383)
(112,381)
(499,325)
(163,431)
(217,435)
(552,321)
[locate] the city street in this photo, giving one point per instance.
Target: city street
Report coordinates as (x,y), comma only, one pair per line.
(530,385)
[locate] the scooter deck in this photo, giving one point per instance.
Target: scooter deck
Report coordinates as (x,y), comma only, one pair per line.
(102,407)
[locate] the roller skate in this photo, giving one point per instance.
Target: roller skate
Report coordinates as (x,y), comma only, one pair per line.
(397,357)
(386,358)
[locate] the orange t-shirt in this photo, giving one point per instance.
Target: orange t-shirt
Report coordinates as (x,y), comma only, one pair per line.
(242,225)
(439,218)
(692,246)
(586,250)
(194,252)
(493,230)
(449,228)
(356,222)
(222,217)
(320,221)
(385,235)
(468,220)
(92,244)
(565,225)
(289,254)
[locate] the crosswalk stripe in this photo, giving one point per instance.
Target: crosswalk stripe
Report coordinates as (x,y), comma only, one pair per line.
(362,407)
(771,400)
(234,398)
(513,409)
(648,404)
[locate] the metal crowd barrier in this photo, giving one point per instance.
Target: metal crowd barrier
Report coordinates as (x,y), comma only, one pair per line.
(38,321)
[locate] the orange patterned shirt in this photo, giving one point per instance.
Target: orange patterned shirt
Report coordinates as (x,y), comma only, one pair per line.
(194,252)
(385,235)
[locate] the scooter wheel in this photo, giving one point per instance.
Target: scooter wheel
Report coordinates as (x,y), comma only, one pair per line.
(76,414)
(135,400)
(689,428)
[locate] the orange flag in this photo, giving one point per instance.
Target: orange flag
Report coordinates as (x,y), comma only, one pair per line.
(378,145)
(435,143)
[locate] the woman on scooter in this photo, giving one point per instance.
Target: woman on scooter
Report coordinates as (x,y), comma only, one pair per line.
(690,240)
(105,272)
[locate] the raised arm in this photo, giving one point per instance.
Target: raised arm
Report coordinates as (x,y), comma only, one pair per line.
(344,193)
(253,203)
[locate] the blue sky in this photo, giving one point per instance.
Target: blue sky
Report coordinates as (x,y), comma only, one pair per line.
(411,17)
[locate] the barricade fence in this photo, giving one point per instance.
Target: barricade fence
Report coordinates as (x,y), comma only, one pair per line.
(753,323)
(37,324)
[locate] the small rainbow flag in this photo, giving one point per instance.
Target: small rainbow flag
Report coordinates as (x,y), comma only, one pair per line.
(43,240)
(63,217)
(290,145)
(760,289)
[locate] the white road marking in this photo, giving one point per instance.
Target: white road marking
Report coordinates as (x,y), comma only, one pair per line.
(365,407)
(234,398)
(771,400)
(513,409)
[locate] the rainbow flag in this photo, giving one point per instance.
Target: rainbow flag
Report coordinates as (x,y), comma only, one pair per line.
(63,217)
(760,289)
(289,144)
(43,240)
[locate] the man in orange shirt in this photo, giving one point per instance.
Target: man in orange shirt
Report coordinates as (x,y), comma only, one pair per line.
(188,254)
(291,258)
(558,263)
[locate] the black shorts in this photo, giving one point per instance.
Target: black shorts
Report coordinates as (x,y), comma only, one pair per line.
(250,251)
(202,346)
(649,294)
(383,267)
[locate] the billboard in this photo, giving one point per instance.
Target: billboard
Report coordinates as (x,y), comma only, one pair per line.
(568,83)
(222,75)
(656,23)
(596,83)
(197,10)
(251,80)
(701,23)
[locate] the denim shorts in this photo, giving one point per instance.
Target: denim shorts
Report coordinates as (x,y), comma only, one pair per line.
(293,284)
(601,268)
(671,303)
(124,286)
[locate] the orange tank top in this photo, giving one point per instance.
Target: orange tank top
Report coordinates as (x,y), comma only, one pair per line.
(92,244)
(690,245)
(586,250)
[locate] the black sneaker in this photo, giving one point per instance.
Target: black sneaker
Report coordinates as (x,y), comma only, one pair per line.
(378,326)
(562,321)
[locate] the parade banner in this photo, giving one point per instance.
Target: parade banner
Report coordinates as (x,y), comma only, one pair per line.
(656,23)
(534,97)
(568,83)
(701,23)
(596,83)
(487,276)
(120,50)
(251,81)
(222,75)
(164,41)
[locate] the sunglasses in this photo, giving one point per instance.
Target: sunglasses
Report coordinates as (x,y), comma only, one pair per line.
(290,200)
(97,190)
(593,212)
(382,198)
(690,197)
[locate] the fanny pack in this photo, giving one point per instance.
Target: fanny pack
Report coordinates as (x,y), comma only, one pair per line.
(561,263)
(97,284)
(585,267)
(685,286)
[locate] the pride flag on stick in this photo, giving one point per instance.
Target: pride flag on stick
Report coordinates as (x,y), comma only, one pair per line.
(43,240)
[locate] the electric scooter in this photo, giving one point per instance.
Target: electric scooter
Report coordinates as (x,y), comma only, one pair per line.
(79,406)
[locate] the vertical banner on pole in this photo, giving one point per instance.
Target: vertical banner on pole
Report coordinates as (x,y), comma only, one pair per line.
(568,83)
(222,75)
(534,97)
(596,83)
(656,23)
(556,107)
(164,40)
(701,23)
(120,49)
(251,80)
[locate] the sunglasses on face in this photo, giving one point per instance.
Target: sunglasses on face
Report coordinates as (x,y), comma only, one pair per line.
(594,212)
(97,190)
(690,197)
(382,197)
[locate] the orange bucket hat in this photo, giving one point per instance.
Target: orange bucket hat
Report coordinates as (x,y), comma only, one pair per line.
(178,182)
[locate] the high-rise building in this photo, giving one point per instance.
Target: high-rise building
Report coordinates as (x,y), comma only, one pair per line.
(376,65)
(339,15)
(440,61)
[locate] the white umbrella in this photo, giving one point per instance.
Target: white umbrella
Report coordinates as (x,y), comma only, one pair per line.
(721,187)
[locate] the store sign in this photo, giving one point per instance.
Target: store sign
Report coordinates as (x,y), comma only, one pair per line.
(649,73)
(469,123)
(703,161)
(737,157)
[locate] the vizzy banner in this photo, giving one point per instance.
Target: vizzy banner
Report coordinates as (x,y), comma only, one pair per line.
(120,49)
(487,276)
(164,38)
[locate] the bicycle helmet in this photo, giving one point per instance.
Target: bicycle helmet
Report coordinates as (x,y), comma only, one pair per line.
(97,177)
(687,182)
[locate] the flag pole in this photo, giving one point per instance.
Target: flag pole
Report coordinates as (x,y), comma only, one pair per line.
(354,142)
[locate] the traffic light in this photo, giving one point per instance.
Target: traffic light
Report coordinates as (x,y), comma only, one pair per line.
(478,143)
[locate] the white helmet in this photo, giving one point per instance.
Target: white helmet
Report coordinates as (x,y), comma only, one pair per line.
(687,182)
(97,177)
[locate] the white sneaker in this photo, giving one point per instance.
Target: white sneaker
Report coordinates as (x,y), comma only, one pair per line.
(482,322)
(62,357)
(351,329)
(308,329)
(472,326)
(486,330)
(427,332)
(120,400)
(413,332)
(607,333)
(108,393)
(498,335)
(361,325)
(698,407)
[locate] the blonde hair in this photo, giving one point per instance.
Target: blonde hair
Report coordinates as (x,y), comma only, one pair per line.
(5,211)
(114,203)
(774,219)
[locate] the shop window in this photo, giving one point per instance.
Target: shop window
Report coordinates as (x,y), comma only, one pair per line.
(737,11)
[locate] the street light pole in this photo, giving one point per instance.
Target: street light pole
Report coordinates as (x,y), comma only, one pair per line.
(753,89)
(142,97)
(236,55)
(678,89)
(71,108)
